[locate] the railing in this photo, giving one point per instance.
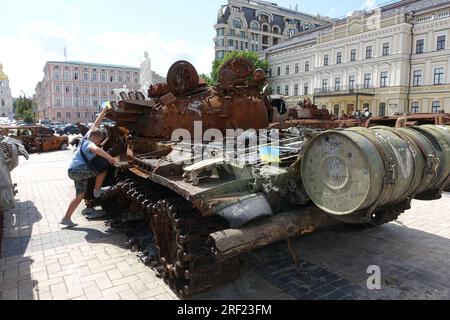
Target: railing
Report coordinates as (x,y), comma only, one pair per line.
(345,90)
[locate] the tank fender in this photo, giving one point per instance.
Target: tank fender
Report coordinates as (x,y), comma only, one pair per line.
(243,211)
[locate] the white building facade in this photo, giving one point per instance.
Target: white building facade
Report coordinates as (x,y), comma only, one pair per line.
(245,25)
(6,101)
(394,59)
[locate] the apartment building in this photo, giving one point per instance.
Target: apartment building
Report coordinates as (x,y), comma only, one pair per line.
(253,25)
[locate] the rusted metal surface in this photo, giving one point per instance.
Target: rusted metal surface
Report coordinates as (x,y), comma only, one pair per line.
(36,138)
(410,120)
(235,242)
(184,100)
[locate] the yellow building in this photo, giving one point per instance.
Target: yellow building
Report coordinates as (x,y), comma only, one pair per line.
(393,59)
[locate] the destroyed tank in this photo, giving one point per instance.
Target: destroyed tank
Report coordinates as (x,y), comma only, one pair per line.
(208,200)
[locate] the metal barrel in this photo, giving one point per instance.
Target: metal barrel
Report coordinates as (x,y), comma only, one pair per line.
(360,169)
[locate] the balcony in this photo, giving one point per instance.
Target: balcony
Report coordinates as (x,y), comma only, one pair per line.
(345,91)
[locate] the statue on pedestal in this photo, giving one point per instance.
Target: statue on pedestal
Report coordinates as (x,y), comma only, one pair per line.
(146,75)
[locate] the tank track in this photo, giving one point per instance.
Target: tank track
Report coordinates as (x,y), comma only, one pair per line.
(186,258)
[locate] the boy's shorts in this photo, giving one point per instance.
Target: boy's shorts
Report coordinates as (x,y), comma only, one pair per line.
(81,176)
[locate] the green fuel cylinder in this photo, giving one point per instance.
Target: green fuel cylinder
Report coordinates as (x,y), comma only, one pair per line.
(360,169)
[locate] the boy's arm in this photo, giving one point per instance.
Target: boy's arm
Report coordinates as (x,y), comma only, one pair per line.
(102,153)
(97,122)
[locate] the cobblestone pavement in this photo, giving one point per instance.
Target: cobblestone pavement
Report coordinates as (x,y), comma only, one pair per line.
(41,261)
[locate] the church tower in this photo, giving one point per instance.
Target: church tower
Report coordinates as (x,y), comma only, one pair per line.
(6,102)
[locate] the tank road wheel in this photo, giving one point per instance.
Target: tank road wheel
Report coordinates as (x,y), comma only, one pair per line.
(189,264)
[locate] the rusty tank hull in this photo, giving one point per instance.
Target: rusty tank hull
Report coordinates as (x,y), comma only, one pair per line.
(199,206)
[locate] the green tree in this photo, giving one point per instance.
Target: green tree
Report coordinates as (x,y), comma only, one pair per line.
(252,56)
(23,109)
(207,79)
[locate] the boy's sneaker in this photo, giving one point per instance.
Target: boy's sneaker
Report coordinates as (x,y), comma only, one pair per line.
(101,192)
(68,223)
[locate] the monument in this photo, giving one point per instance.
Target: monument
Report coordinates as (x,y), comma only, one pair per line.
(146,75)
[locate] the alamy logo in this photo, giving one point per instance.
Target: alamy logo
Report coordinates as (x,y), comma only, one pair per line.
(374,281)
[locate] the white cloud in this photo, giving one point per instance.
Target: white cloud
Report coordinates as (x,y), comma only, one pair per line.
(25,53)
(370,5)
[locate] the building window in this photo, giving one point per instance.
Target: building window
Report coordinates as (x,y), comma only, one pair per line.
(86,102)
(351,82)
(67,89)
(435,107)
(306,66)
(103,77)
(306,89)
(220,32)
(231,32)
(385,48)
(77,90)
(231,43)
(420,44)
(58,102)
(286,91)
(95,103)
(86,90)
(439,76)
(325,85)
(76,76)
(237,23)
(68,115)
(353,55)
(278,90)
(270,73)
(325,60)
(85,76)
(94,77)
(111,79)
(120,79)
(296,90)
(278,71)
(243,34)
(337,84)
(128,79)
(384,79)
(339,58)
(367,80)
(336,110)
(94,91)
(66,75)
(441,43)
(56,75)
(220,54)
(417,78)
(369,52)
(382,111)
(288,67)
(276,30)
(297,69)
(57,89)
(58,114)
(254,25)
(415,107)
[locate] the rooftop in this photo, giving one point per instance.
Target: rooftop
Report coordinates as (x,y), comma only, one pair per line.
(81,63)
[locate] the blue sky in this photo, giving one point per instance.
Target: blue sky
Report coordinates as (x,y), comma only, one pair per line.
(118,32)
